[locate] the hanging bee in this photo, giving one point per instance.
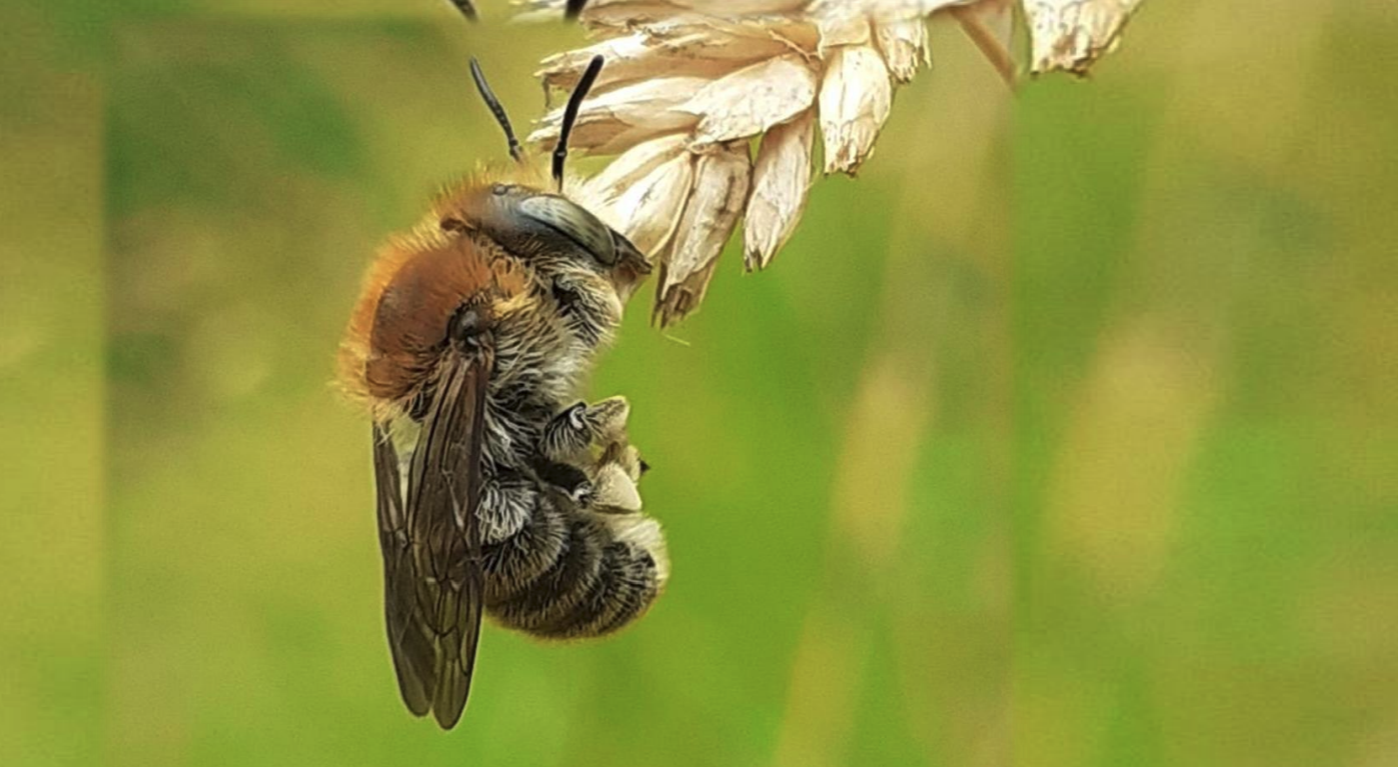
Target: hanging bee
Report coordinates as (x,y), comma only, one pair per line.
(472,335)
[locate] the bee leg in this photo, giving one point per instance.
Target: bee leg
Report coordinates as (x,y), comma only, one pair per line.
(506,503)
(566,477)
(608,484)
(607,419)
(618,471)
(570,433)
(614,491)
(626,456)
(585,310)
(512,562)
(563,451)
(567,436)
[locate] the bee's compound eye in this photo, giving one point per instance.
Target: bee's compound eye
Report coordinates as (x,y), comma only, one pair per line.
(499,190)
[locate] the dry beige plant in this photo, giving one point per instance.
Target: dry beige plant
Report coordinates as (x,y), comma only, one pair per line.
(691,86)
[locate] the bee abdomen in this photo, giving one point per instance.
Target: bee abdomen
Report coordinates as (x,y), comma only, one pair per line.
(524,556)
(529,606)
(627,585)
(602,576)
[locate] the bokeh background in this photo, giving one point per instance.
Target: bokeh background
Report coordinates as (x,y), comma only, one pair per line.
(1065,435)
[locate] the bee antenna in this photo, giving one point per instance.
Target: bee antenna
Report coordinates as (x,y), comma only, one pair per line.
(570,116)
(467,10)
(495,107)
(573,8)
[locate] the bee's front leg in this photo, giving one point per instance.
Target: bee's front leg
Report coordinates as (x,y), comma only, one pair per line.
(606,483)
(568,436)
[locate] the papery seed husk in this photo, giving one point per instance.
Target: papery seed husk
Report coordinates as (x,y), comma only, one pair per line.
(665,51)
(905,47)
(1071,34)
(720,189)
(620,119)
(635,104)
(839,31)
(781,20)
(683,298)
(876,10)
(614,490)
(753,99)
(563,70)
(607,14)
(781,181)
(722,53)
(632,166)
(854,102)
(609,137)
(720,8)
(648,212)
(629,13)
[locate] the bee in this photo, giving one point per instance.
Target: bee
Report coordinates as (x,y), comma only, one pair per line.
(471,336)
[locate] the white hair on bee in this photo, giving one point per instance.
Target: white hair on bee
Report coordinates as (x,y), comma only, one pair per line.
(614,490)
(643,533)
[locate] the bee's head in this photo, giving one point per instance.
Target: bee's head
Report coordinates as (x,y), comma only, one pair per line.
(546,229)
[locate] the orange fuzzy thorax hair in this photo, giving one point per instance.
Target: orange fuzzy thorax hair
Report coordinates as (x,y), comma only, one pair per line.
(444,268)
(415,284)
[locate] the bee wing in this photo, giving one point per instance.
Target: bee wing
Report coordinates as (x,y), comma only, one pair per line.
(433,590)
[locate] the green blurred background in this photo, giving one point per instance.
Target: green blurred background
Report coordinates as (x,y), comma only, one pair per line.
(1065,435)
